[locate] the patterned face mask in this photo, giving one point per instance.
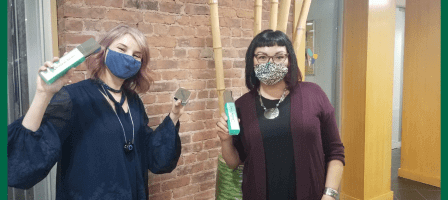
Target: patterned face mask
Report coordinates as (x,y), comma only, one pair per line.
(270,73)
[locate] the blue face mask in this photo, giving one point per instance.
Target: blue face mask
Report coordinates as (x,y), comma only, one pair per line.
(121,65)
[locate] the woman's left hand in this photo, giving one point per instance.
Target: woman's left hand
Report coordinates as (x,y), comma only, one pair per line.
(176,111)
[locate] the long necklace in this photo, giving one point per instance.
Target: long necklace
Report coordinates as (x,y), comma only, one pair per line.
(272,113)
(129,145)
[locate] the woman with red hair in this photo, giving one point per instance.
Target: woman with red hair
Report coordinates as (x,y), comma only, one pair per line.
(96,129)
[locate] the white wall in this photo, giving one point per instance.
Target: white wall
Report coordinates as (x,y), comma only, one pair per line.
(39,50)
(38,39)
(398,78)
(325,14)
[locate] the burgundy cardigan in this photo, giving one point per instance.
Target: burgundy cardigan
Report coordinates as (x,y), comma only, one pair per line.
(315,138)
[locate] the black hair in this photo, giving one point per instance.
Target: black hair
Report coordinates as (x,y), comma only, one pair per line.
(270,38)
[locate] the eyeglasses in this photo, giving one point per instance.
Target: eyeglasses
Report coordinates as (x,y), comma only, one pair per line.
(277,59)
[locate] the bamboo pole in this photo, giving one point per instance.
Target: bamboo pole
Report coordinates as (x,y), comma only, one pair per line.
(257,16)
(299,33)
(274,13)
(300,28)
(217,49)
(297,8)
(283,15)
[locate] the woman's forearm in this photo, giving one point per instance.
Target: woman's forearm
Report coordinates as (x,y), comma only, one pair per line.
(35,113)
(174,118)
(334,174)
(230,154)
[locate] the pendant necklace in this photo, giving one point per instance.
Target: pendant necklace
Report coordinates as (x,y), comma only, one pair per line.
(272,113)
(129,145)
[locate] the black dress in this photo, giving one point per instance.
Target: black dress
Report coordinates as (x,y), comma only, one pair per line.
(279,152)
(81,132)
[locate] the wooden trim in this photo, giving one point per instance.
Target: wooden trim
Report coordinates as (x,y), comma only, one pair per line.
(420,177)
(54,28)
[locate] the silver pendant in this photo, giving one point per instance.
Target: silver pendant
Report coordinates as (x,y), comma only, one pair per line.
(271,113)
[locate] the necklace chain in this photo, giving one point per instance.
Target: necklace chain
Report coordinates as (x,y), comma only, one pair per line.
(276,106)
(130,114)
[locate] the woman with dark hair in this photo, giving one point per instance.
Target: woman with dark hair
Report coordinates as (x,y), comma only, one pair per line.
(96,129)
(289,141)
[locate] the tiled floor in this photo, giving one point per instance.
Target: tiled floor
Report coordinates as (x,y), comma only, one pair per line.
(405,189)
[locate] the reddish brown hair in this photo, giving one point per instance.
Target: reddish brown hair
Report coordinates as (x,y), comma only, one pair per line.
(141,81)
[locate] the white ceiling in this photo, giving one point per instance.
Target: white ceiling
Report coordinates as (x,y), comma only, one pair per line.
(401,3)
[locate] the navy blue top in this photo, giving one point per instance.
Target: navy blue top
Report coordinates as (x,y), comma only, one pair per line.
(81,132)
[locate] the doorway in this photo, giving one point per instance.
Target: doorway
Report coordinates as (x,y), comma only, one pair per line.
(403,188)
(29,45)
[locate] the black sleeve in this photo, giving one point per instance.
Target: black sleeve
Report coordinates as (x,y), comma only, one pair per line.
(163,144)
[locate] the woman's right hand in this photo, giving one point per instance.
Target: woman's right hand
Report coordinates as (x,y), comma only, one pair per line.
(44,93)
(53,88)
(223,132)
(229,152)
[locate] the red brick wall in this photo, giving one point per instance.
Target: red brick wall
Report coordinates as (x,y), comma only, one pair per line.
(179,36)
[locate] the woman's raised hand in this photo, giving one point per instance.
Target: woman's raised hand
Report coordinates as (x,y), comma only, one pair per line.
(51,89)
(176,111)
(223,132)
(44,93)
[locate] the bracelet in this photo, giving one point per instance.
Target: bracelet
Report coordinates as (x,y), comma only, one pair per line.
(331,192)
